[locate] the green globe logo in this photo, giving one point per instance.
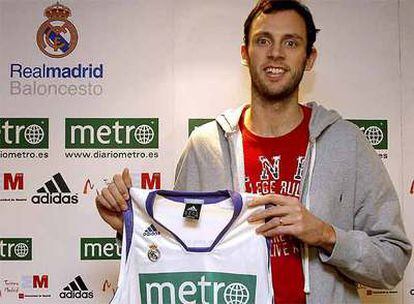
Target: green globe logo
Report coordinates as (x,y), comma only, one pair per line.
(236,293)
(34,134)
(21,250)
(374,135)
(144,134)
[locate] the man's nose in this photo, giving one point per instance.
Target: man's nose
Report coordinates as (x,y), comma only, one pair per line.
(276,51)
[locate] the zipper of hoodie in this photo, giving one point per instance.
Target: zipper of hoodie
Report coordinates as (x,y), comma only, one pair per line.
(304,199)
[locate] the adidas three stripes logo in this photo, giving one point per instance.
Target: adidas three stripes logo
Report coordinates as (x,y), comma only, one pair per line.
(76,284)
(151,231)
(56,185)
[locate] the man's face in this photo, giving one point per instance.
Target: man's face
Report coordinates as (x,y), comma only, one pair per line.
(276,54)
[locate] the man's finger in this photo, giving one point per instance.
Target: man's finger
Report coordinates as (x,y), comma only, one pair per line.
(280,230)
(273,199)
(102,203)
(121,187)
(126,177)
(271,224)
(117,196)
(270,212)
(111,200)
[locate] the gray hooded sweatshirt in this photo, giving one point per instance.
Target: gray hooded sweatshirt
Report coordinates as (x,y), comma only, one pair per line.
(344,183)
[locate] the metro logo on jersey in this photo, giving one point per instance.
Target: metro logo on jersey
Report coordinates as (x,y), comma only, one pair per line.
(197,287)
(11,181)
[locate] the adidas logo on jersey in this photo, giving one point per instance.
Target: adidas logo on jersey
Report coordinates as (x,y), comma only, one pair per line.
(151,231)
(193,209)
(55,191)
(76,290)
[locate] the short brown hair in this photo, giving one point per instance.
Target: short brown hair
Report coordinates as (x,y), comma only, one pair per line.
(271,6)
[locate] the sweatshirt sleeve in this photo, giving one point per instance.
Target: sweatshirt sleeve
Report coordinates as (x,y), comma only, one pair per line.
(376,252)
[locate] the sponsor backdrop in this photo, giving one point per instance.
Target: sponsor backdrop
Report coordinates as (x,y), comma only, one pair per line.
(91,87)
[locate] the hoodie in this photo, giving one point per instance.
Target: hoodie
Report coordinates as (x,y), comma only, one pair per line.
(344,183)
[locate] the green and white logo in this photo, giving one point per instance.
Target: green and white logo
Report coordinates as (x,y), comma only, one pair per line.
(24,133)
(111,133)
(15,249)
(197,122)
(99,249)
(197,287)
(376,132)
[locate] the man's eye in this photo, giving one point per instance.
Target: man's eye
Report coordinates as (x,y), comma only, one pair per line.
(291,43)
(263,41)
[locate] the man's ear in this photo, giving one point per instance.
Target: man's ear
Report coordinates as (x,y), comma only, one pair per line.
(311,59)
(244,55)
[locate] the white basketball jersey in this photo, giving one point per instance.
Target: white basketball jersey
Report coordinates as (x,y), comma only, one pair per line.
(168,258)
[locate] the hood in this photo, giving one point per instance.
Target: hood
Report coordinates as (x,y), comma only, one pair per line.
(321,119)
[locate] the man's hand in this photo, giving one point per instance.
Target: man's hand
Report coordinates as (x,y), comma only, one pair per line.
(287,216)
(111,201)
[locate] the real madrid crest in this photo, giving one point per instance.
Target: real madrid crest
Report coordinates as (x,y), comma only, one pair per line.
(153,253)
(57,37)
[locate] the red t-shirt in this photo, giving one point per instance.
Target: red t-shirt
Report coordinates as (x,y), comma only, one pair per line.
(275,165)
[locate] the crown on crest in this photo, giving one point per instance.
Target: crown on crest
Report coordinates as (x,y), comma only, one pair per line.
(57,11)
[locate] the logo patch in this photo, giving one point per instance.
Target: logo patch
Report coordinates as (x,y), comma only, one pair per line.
(153,253)
(57,37)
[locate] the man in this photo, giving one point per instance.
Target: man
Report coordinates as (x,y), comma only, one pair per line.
(333,216)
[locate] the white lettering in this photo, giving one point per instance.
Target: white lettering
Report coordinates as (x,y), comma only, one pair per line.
(82,130)
(117,128)
(128,133)
(108,249)
(216,288)
(267,168)
(203,284)
(103,131)
(93,249)
(299,168)
(160,288)
(182,292)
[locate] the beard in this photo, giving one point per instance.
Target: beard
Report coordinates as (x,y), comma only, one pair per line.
(267,93)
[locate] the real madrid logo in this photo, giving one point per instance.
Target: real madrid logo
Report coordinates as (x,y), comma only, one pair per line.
(57,37)
(153,253)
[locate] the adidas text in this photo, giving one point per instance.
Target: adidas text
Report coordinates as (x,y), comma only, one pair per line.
(55,198)
(76,294)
